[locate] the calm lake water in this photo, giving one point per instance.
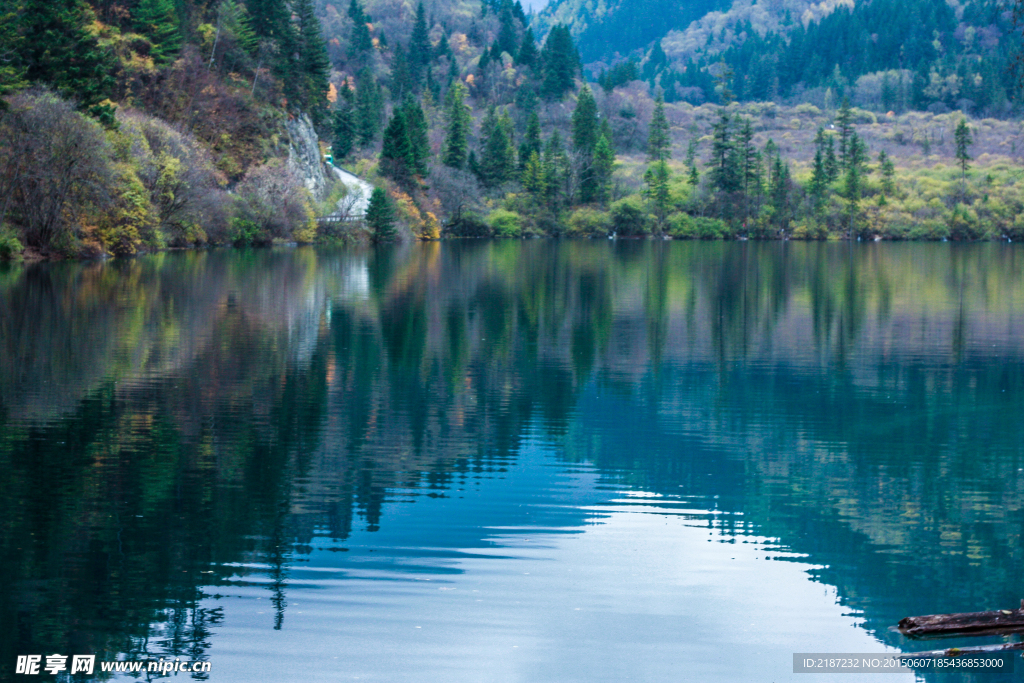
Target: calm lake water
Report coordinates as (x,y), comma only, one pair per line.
(510,461)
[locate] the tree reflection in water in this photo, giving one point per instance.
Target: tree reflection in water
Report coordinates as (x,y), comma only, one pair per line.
(170,421)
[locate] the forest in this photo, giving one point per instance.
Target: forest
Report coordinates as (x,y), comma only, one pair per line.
(136,125)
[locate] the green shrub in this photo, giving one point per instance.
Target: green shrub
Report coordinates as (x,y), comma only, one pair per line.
(10,247)
(588,222)
(684,226)
(505,223)
(629,217)
(244,231)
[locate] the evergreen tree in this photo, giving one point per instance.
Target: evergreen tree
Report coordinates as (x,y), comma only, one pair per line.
(657,178)
(380,216)
(157,20)
(962,137)
(560,63)
(443,49)
(844,122)
(725,176)
(313,63)
(749,164)
(779,192)
(819,179)
(604,165)
(856,157)
(419,47)
(57,48)
(236,30)
(584,142)
(556,171)
(533,175)
(518,13)
(888,170)
(691,157)
(396,156)
(507,41)
(345,130)
(369,108)
(12,74)
(360,42)
(418,133)
(401,76)
(456,144)
(831,163)
(531,141)
(497,155)
(527,55)
(659,140)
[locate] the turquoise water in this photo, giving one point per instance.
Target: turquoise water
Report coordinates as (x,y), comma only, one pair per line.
(510,461)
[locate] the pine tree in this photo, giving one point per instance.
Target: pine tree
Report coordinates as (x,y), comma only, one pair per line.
(401,75)
(345,131)
(856,154)
(313,63)
(831,163)
(419,47)
(584,142)
(888,170)
(560,63)
(507,41)
(418,133)
(58,49)
(659,141)
(369,107)
(380,216)
(497,155)
(725,176)
(456,144)
(749,164)
(236,26)
(556,171)
(396,155)
(527,55)
(157,20)
(779,192)
(844,122)
(657,178)
(533,175)
(819,180)
(604,165)
(360,42)
(531,141)
(12,74)
(962,137)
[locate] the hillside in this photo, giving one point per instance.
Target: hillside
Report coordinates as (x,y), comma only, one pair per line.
(884,54)
(149,125)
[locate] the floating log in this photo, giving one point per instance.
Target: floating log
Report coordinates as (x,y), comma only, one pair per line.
(963,651)
(967,623)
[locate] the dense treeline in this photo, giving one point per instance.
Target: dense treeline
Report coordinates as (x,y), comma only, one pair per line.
(885,54)
(604,29)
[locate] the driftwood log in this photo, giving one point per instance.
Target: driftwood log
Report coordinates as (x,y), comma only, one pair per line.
(966,624)
(962,651)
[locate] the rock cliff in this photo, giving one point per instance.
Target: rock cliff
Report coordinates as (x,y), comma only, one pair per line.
(304,155)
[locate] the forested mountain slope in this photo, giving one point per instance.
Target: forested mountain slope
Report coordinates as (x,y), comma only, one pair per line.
(884,54)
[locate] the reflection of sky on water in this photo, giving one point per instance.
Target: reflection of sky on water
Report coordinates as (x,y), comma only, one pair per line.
(547,424)
(538,574)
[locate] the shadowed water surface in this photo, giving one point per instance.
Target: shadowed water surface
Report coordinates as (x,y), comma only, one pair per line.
(509,461)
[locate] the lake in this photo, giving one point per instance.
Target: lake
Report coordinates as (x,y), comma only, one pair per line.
(510,460)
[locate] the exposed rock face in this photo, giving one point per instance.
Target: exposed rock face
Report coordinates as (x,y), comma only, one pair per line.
(304,155)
